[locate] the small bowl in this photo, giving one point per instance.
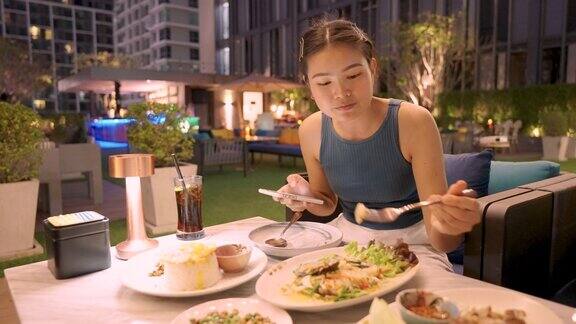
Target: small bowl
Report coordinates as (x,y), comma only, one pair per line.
(411,297)
(233,257)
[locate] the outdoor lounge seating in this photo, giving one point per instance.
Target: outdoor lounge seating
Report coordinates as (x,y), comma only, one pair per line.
(220,152)
(70,162)
(287,144)
(528,229)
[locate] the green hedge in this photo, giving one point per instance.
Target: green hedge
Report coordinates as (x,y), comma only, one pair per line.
(528,104)
(65,128)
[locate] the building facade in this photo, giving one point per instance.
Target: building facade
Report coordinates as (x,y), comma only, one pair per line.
(508,42)
(55,32)
(167,35)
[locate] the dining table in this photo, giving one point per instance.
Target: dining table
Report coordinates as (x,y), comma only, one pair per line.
(100,297)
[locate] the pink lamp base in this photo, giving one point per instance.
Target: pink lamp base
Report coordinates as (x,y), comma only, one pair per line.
(127,249)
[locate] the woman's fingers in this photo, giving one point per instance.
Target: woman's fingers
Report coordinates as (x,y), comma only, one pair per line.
(455,217)
(461,202)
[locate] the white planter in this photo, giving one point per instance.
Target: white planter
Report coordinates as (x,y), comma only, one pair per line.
(555,148)
(571,150)
(159,200)
(18,202)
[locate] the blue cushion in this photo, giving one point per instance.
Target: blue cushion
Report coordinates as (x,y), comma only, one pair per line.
(202,136)
(474,168)
(282,149)
(508,175)
(264,132)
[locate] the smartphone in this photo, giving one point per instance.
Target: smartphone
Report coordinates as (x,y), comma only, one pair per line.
(285,195)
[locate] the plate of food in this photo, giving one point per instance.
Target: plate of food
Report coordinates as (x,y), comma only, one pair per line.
(337,277)
(301,237)
(234,310)
(460,306)
(192,269)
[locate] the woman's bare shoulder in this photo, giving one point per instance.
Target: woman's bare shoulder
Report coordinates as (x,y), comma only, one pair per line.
(312,124)
(413,113)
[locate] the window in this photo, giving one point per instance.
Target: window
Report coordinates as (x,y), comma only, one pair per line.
(15,4)
(486,22)
(517,76)
(103,17)
(61,11)
(15,24)
(222,21)
(164,33)
(39,15)
(163,15)
(83,20)
(194,37)
(194,54)
(223,61)
(193,19)
(166,52)
(551,65)
(193,3)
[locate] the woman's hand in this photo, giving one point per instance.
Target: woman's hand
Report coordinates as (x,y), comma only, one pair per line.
(296,185)
(456,214)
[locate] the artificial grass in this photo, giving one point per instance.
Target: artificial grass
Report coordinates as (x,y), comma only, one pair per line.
(228,196)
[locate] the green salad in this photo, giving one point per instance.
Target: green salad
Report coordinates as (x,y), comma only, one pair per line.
(359,271)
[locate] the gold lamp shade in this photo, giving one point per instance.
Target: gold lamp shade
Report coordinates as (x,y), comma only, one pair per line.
(131,165)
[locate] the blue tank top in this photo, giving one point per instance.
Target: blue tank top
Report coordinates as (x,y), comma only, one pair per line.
(372,171)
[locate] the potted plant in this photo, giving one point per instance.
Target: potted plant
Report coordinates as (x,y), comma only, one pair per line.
(157,130)
(555,128)
(20,158)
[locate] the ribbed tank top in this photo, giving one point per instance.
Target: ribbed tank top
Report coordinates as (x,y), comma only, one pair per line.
(372,171)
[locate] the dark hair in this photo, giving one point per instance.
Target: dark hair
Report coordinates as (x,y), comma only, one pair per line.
(325,32)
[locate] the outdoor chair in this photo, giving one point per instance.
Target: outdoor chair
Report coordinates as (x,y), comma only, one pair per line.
(84,159)
(49,175)
(220,152)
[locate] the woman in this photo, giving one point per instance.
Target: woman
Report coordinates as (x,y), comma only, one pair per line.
(381,152)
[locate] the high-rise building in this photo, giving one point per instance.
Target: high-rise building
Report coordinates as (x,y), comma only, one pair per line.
(55,32)
(509,42)
(167,35)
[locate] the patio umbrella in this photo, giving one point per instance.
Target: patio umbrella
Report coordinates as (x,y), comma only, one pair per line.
(260,83)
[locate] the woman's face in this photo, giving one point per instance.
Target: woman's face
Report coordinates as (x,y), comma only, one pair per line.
(341,81)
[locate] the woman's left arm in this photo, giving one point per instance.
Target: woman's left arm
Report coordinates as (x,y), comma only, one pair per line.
(421,145)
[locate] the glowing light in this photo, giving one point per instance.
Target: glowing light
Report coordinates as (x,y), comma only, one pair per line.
(536,132)
(39,104)
(48,34)
(279,111)
(34,32)
(68,48)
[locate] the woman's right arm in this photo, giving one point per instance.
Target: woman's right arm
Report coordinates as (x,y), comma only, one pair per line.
(310,139)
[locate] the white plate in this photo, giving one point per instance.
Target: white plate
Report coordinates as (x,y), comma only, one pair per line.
(243,305)
(269,285)
(302,237)
(498,299)
(135,275)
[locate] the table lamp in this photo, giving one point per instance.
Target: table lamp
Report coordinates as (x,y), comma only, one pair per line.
(132,167)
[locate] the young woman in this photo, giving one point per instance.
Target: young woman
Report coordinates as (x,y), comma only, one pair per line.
(381,152)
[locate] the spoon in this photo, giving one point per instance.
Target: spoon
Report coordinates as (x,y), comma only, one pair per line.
(281,242)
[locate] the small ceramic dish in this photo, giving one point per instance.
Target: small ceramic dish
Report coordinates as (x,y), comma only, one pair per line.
(233,257)
(419,306)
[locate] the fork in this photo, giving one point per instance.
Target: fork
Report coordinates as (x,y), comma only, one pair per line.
(390,214)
